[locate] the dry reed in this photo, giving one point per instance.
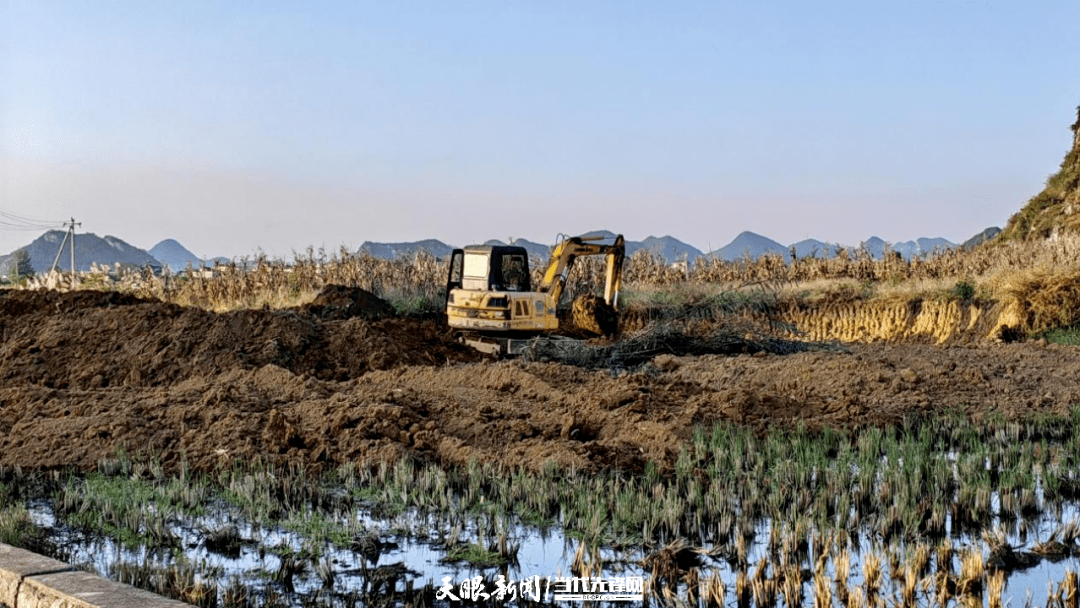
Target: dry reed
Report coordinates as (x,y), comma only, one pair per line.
(742,589)
(995,588)
(1070,588)
(872,578)
(712,592)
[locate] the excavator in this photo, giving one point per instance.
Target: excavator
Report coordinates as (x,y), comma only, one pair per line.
(490,301)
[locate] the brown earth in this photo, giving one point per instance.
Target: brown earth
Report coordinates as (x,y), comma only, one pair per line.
(87,373)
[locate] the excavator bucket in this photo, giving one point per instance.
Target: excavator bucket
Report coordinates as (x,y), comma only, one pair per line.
(594,315)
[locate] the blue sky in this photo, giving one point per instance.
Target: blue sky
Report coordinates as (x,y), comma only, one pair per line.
(240,126)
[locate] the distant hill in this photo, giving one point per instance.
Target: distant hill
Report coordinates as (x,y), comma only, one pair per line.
(534,249)
(177,257)
(1057,207)
(907,249)
(89,249)
(668,247)
(169,253)
(752,245)
(671,248)
(813,247)
(390,251)
(933,245)
(981,238)
(607,234)
(876,246)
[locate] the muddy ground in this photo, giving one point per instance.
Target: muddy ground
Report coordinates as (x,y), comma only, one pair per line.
(84,374)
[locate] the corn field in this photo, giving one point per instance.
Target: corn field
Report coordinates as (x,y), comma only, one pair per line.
(418,282)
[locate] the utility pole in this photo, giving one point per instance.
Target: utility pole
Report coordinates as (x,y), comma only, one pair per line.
(72,224)
(69,234)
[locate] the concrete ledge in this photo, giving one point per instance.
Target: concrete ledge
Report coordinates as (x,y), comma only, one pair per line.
(85,590)
(17,564)
(29,580)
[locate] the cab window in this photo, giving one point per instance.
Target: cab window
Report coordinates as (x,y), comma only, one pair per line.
(515,272)
(476,265)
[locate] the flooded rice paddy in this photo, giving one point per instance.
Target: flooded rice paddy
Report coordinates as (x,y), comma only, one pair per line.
(940,510)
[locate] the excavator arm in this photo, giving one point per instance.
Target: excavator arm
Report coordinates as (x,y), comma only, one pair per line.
(569,249)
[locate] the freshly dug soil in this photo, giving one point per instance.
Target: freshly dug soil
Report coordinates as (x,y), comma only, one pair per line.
(341,302)
(89,340)
(85,374)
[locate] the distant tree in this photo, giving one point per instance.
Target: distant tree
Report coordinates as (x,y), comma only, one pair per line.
(22,266)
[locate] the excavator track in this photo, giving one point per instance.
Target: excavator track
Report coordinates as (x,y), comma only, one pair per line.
(505,348)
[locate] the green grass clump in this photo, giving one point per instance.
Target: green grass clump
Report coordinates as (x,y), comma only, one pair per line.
(900,482)
(118,507)
(320,529)
(1069,336)
(475,555)
(136,503)
(964,290)
(17,528)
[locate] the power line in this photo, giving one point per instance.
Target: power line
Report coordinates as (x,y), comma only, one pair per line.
(10,221)
(9,226)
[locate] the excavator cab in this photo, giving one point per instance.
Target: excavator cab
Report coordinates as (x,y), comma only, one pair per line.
(489,268)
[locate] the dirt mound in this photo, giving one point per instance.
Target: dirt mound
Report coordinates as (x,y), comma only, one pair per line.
(340,302)
(14,303)
(90,340)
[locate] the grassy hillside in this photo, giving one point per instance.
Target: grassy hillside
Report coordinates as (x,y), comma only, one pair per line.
(1057,208)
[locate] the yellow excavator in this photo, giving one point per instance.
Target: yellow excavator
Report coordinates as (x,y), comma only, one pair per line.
(490,300)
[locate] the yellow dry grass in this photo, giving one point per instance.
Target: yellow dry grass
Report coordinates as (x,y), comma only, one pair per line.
(1041,298)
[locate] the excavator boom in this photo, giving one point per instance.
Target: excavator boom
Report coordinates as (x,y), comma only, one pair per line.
(569,249)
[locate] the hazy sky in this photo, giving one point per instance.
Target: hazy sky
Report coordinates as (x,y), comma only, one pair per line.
(233,126)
